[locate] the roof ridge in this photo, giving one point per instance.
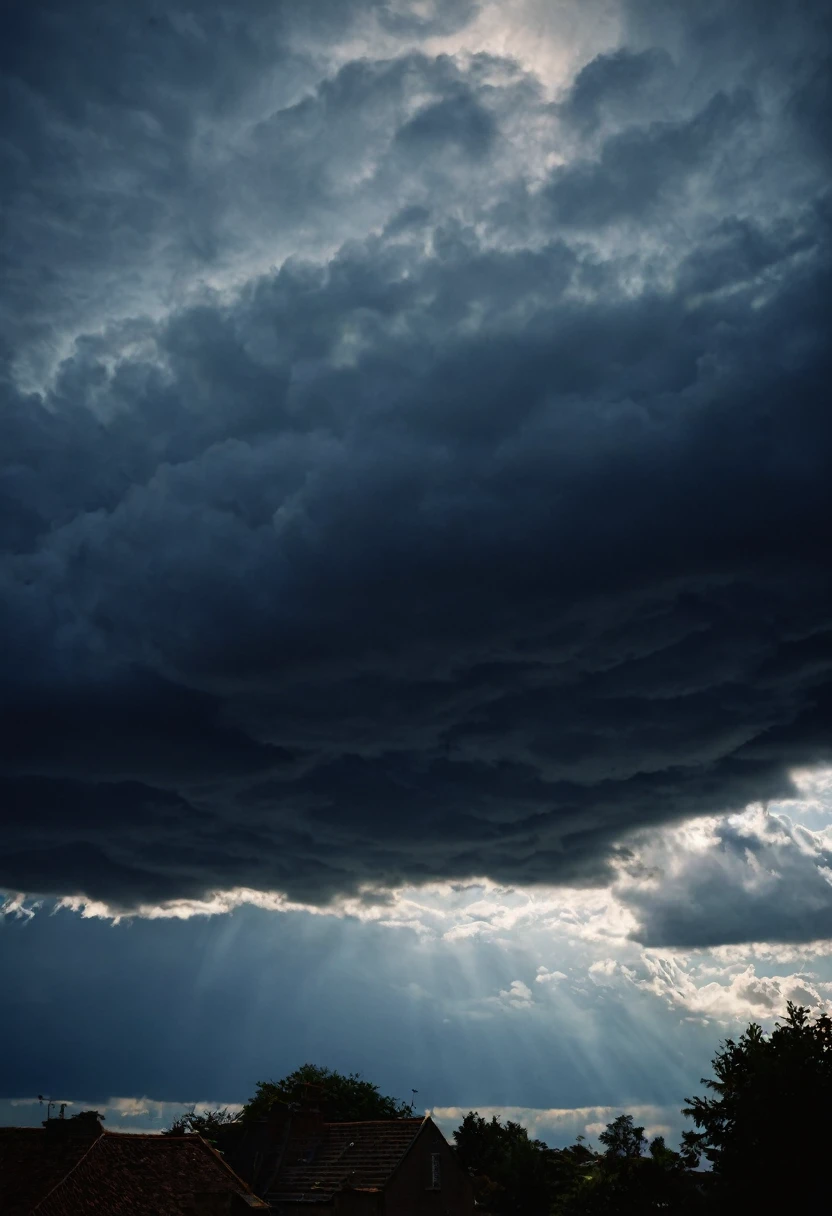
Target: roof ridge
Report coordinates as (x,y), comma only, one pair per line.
(386,1122)
(214,1152)
(190,1137)
(69,1172)
(422,1122)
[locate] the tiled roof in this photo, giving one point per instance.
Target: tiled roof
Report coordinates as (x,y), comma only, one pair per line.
(31,1165)
(126,1175)
(359,1155)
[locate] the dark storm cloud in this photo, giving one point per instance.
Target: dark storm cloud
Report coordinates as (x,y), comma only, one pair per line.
(458,121)
(128,133)
(435,17)
(643,167)
(764,879)
(466,550)
(620,79)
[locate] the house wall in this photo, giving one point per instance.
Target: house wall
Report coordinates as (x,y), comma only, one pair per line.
(409,1192)
(359,1203)
(218,1203)
(301,1209)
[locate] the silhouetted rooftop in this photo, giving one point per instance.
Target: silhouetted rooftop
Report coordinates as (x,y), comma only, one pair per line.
(55,1173)
(360,1155)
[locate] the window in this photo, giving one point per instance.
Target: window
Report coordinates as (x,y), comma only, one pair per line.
(435,1171)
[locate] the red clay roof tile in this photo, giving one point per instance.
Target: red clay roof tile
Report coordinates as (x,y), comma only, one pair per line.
(115,1175)
(360,1155)
(32,1163)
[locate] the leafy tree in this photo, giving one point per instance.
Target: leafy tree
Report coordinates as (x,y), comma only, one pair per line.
(622,1138)
(341,1097)
(205,1123)
(623,1181)
(764,1124)
(511,1172)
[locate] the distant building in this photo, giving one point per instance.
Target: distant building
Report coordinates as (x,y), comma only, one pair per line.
(72,1167)
(388,1167)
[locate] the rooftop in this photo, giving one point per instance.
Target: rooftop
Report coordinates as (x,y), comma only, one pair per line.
(47,1173)
(360,1155)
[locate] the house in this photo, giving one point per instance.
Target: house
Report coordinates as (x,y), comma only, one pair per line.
(72,1167)
(386,1167)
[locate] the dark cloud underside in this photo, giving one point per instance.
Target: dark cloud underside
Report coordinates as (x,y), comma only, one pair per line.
(491,526)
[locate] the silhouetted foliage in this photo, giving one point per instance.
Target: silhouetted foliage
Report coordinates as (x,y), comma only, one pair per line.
(87,1116)
(623,1181)
(339,1096)
(764,1126)
(515,1174)
(511,1172)
(204,1123)
(622,1138)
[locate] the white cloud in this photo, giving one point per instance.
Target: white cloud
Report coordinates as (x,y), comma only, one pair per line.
(19,907)
(603,970)
(734,996)
(544,976)
(517,996)
(759,876)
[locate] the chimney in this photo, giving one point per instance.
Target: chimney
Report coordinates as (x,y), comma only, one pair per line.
(84,1126)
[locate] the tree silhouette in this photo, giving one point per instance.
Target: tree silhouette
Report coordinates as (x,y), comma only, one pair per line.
(623,1181)
(511,1172)
(340,1097)
(622,1138)
(764,1124)
(204,1123)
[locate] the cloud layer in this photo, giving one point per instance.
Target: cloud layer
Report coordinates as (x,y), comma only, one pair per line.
(537,999)
(757,877)
(412,470)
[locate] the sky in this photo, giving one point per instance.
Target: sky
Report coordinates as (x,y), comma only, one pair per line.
(414,548)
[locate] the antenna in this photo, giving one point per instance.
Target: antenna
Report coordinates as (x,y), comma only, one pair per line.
(50,1104)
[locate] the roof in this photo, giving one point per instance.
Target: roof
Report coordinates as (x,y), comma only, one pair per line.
(359,1155)
(31,1165)
(117,1174)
